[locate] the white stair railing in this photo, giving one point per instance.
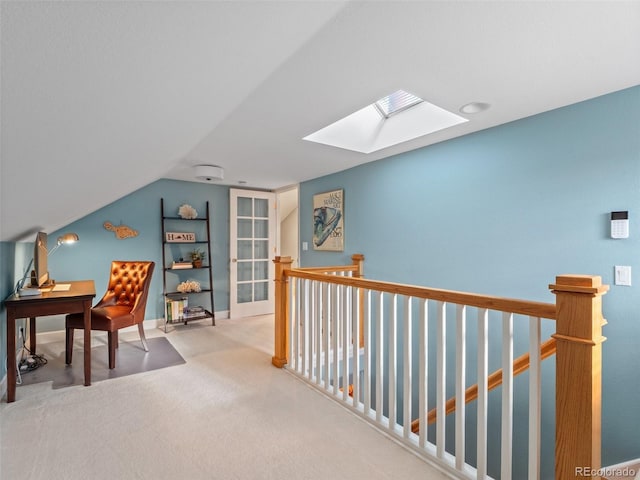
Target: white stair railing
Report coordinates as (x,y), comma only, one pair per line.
(324,351)
(392,352)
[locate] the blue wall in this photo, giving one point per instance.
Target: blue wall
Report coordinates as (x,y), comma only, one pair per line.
(502,212)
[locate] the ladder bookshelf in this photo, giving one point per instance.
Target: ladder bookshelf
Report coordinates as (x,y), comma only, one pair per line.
(180,273)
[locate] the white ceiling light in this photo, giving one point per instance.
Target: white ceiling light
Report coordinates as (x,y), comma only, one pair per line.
(474,107)
(209,173)
(393,119)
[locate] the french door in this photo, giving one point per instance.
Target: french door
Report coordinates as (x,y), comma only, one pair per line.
(252,247)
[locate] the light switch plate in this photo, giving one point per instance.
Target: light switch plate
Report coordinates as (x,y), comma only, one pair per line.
(622,275)
(305,246)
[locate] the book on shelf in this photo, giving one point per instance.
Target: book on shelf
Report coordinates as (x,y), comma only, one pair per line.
(179,265)
(177,308)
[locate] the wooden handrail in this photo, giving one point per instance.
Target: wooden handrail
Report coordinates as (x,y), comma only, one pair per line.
(522,307)
(520,365)
(336,268)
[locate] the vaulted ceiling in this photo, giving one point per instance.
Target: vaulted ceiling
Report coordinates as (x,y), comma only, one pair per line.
(101,98)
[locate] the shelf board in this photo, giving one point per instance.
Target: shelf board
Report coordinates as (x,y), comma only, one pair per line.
(176,294)
(204,267)
(184,243)
(186,219)
(184,321)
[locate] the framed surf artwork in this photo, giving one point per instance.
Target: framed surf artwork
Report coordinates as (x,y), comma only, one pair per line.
(328,221)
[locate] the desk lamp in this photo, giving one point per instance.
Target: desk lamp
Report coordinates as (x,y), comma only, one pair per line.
(66,239)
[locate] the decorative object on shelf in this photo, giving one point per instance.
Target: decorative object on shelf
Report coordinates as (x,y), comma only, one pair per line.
(197,256)
(181,265)
(187,211)
(180,237)
(189,286)
(328,221)
(121,231)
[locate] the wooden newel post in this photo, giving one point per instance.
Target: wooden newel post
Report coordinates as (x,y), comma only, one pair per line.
(281,339)
(578,374)
(357,259)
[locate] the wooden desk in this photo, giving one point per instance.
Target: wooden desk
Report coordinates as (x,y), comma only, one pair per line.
(75,300)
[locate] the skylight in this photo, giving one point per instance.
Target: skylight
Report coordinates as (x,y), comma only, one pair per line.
(394,119)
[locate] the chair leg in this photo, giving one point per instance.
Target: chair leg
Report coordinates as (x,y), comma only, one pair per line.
(143,339)
(68,345)
(113,342)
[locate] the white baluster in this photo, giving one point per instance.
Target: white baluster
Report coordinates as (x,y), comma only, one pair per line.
(441,378)
(423,342)
(507,397)
(407,387)
(367,353)
(344,315)
(393,360)
(461,333)
(355,343)
(302,325)
(318,332)
(326,334)
(534,398)
(483,393)
(294,316)
(309,328)
(379,357)
(335,329)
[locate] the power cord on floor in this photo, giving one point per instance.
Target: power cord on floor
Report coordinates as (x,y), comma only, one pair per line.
(29,362)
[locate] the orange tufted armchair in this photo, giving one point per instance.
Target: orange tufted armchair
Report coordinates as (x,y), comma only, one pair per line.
(123,305)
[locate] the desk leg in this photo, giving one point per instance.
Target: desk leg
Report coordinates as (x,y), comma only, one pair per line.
(11,357)
(32,335)
(87,343)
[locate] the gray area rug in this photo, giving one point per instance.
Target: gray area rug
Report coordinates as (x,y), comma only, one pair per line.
(130,359)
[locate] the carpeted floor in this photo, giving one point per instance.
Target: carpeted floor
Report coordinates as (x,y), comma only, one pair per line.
(225,414)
